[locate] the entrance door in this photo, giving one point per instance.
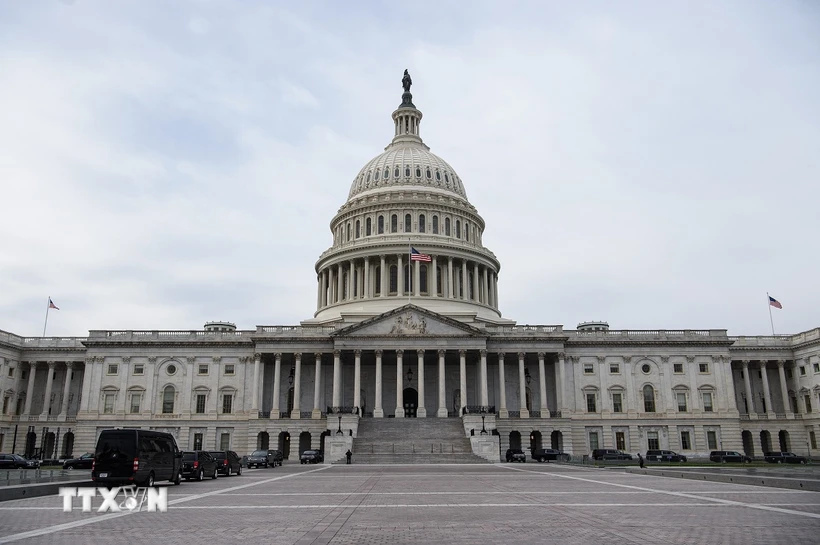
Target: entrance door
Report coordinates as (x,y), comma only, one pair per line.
(411,402)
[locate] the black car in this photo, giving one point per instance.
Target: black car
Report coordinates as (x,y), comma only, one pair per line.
(263,458)
(515,455)
(548,454)
(664,456)
(83,462)
(311,457)
(783,458)
(725,456)
(136,456)
(228,462)
(278,457)
(198,464)
(610,454)
(15,461)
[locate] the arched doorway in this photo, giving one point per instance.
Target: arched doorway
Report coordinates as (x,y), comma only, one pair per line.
(748,443)
(766,441)
(785,441)
(411,402)
(284,444)
(48,447)
(557,440)
(515,440)
(535,440)
(263,441)
(68,444)
(304,441)
(31,440)
(324,436)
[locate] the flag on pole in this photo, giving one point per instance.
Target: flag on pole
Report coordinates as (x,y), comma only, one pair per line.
(52,305)
(415,255)
(775,303)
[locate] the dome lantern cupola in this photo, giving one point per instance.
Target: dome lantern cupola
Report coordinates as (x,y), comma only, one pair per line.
(407,117)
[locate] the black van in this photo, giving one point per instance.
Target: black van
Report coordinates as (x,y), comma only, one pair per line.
(133,456)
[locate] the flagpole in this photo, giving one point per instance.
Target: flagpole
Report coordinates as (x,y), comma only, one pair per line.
(410,276)
(771,320)
(48,306)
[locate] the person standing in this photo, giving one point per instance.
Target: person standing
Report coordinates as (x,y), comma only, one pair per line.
(349,455)
(640,460)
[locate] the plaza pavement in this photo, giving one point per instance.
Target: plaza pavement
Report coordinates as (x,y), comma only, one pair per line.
(448,504)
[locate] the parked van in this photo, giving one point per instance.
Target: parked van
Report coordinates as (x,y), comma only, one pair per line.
(133,456)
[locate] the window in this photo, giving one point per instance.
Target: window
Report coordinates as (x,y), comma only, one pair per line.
(358,229)
(200,403)
(423,279)
(168,400)
(447,226)
(435,225)
(646,368)
(203,369)
(381,225)
(197,441)
(614,368)
(229,369)
(225,441)
(394,223)
(813,439)
(620,440)
(591,403)
(408,223)
(802,370)
(817,367)
(396,172)
(458,228)
(652,442)
(789,373)
(11,371)
(418,172)
(711,440)
(707,402)
(6,404)
(649,399)
(466,231)
(386,172)
(429,174)
(589,369)
(135,403)
(348,232)
(593,440)
(171,369)
(139,369)
(368,223)
(108,405)
(678,368)
(808,404)
(617,403)
(227,403)
(438,176)
(24,374)
(681,396)
(113,369)
(407,171)
(394,279)
(685,441)
(422,224)
(703,367)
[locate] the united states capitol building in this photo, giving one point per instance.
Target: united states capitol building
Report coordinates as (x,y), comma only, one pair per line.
(396,338)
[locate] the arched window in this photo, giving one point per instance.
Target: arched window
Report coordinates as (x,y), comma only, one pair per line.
(381,225)
(435,225)
(376,175)
(368,177)
(394,223)
(458,228)
(429,174)
(396,172)
(447,226)
(438,280)
(423,279)
(467,231)
(648,399)
(168,395)
(408,223)
(358,229)
(348,232)
(378,280)
(422,226)
(438,176)
(394,279)
(447,179)
(367,226)
(407,171)
(386,172)
(418,172)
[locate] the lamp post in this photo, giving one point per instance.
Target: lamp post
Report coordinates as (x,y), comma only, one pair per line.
(483,429)
(339,431)
(291,375)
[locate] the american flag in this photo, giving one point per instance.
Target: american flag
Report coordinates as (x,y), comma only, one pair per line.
(51,304)
(775,303)
(415,255)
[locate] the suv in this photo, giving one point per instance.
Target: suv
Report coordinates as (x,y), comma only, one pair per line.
(311,457)
(263,458)
(664,456)
(515,455)
(134,456)
(196,464)
(83,462)
(783,458)
(547,454)
(610,454)
(728,456)
(227,462)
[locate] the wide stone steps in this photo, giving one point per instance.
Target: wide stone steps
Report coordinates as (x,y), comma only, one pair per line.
(462,458)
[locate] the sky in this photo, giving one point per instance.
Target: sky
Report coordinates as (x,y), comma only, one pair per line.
(652,164)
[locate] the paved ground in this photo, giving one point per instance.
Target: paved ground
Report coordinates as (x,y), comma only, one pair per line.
(470,504)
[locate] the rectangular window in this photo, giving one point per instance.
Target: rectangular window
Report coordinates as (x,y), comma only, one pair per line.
(6,404)
(197,441)
(707,402)
(681,402)
(229,369)
(11,371)
(135,403)
(113,368)
(817,367)
(614,368)
(591,403)
(225,441)
(620,440)
(802,370)
(711,440)
(617,403)
(593,440)
(24,374)
(813,439)
(678,368)
(108,405)
(139,369)
(685,441)
(589,368)
(227,403)
(200,404)
(704,367)
(203,369)
(808,404)
(652,442)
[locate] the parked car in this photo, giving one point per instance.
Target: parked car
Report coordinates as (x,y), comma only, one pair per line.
(15,461)
(548,454)
(725,456)
(311,457)
(783,458)
(610,454)
(263,458)
(515,455)
(83,462)
(198,464)
(664,456)
(278,457)
(134,456)
(228,462)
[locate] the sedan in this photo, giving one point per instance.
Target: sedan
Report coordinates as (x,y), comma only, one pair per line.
(548,454)
(784,458)
(311,457)
(83,462)
(15,461)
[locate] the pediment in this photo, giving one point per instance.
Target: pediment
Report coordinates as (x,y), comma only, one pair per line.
(409,321)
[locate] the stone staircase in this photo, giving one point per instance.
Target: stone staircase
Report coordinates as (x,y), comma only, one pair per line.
(412,441)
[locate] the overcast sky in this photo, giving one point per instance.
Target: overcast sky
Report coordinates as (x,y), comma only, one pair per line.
(652,164)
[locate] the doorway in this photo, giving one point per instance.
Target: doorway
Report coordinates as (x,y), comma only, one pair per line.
(411,402)
(284,444)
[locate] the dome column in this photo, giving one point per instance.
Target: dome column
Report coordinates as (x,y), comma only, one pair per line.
(330,283)
(350,284)
(324,288)
(476,285)
(339,287)
(400,280)
(465,292)
(450,290)
(416,278)
(367,291)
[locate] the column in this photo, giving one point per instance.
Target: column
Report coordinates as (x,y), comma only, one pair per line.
(465,291)
(486,285)
(450,290)
(542,378)
(257,361)
(30,389)
(416,278)
(331,286)
(442,390)
(383,275)
(339,283)
(319,278)
(502,388)
(357,380)
(482,373)
(337,379)
(277,374)
(495,289)
(421,410)
(434,278)
(317,387)
(767,395)
(559,387)
(378,412)
(784,390)
(462,379)
(750,402)
(400,280)
(476,285)
(522,386)
(69,366)
(368,292)
(399,384)
(350,284)
(324,288)
(49,384)
(297,387)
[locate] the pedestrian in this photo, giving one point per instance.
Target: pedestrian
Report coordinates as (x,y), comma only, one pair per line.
(640,460)
(349,455)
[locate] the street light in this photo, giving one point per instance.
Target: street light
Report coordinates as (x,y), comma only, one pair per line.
(339,431)
(483,429)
